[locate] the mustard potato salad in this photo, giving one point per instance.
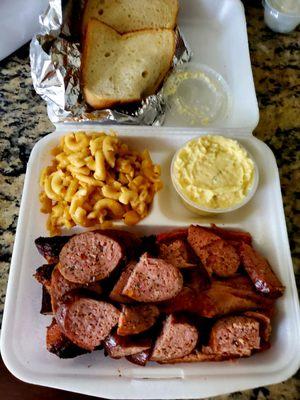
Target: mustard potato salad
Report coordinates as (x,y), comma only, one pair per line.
(96,178)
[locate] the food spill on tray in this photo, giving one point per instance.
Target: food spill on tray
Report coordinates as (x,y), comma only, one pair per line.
(94,179)
(213,172)
(185,295)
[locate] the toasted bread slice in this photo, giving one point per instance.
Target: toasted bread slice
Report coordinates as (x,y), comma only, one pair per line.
(132,15)
(124,68)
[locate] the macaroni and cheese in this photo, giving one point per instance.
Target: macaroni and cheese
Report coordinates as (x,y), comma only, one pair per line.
(94,179)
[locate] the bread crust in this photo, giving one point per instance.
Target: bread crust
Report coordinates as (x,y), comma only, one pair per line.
(84,22)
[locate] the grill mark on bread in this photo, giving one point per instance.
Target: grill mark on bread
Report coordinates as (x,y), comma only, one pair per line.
(131,15)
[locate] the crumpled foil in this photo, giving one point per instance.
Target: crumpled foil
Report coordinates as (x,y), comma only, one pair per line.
(55,56)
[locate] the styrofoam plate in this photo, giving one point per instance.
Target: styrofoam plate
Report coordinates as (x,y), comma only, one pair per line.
(23,333)
(217,34)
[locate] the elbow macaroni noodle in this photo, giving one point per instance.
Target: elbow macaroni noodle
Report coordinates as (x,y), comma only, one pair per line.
(94,179)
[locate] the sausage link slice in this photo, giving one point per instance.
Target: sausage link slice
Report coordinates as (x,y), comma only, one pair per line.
(59,287)
(260,272)
(137,319)
(140,358)
(227,234)
(43,275)
(50,247)
(234,336)
(216,254)
(86,322)
(58,344)
(89,256)
(265,327)
(121,346)
(178,253)
(173,235)
(116,293)
(177,339)
(153,280)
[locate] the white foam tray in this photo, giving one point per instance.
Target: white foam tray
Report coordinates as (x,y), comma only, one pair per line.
(23,334)
(216,31)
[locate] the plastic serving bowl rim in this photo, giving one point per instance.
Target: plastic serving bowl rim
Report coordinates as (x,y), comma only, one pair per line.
(192,204)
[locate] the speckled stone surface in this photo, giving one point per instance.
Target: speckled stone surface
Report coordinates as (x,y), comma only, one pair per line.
(276,68)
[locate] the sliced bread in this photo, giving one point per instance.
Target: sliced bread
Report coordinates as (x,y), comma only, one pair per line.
(124,68)
(131,15)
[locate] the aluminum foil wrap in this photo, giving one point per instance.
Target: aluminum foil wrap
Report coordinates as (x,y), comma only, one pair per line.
(55,56)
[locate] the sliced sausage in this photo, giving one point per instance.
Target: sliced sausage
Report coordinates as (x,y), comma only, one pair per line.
(129,242)
(177,339)
(260,272)
(231,235)
(153,280)
(221,258)
(50,247)
(265,327)
(172,235)
(116,293)
(86,322)
(58,344)
(43,275)
(60,286)
(140,358)
(178,253)
(216,255)
(237,281)
(199,237)
(234,336)
(185,300)
(137,319)
(195,281)
(121,346)
(148,245)
(46,307)
(88,257)
(196,278)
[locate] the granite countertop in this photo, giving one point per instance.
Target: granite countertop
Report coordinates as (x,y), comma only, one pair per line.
(275,61)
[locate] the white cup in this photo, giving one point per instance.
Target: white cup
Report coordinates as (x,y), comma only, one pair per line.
(278,20)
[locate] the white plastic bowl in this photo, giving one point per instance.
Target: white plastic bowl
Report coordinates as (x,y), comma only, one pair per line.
(197,95)
(201,210)
(277,19)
